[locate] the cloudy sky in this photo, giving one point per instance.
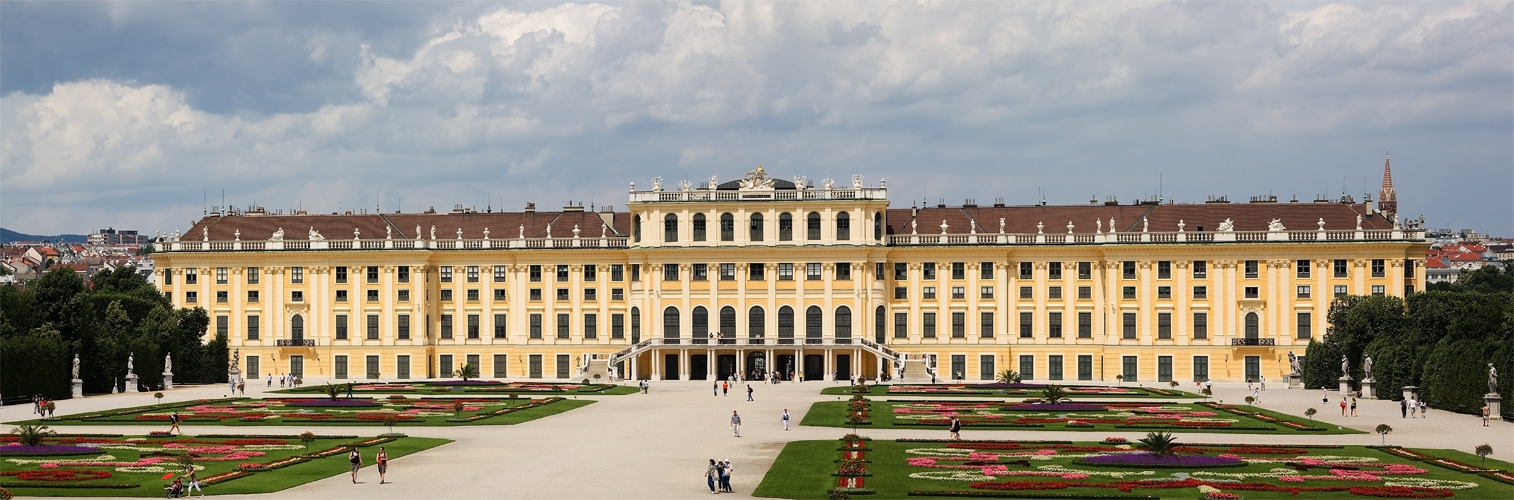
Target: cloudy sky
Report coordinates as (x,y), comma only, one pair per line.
(131,114)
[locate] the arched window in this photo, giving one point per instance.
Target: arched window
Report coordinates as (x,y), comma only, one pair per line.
(701,323)
(785,227)
(727,227)
(843,322)
(635,325)
(698,227)
(756,323)
(670,229)
(1252,325)
(728,322)
(814,226)
(785,325)
(814,323)
(878,328)
(756,227)
(297,327)
(878,226)
(843,226)
(636,228)
(670,323)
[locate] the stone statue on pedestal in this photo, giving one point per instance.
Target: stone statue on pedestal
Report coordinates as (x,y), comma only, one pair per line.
(76,366)
(236,359)
(129,369)
(1345,367)
(168,363)
(1492,379)
(1367,368)
(1293,364)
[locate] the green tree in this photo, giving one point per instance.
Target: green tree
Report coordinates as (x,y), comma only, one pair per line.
(31,435)
(1383,430)
(1483,450)
(36,362)
(467,371)
(1159,443)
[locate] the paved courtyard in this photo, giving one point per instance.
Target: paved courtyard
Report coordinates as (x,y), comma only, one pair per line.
(656,445)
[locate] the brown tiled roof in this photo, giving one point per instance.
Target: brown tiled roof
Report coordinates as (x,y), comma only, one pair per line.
(403,226)
(1023,219)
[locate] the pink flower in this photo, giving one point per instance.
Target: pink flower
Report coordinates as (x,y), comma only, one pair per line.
(1229,455)
(1047,452)
(921,462)
(1291,479)
(50,465)
(1075,475)
(1313,461)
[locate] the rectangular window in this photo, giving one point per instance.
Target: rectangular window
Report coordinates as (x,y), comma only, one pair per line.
(1379,289)
(1200,269)
(928,292)
(500,272)
(959,292)
(1027,323)
(1200,368)
(562,273)
(1130,370)
(617,294)
(500,326)
(446,274)
(901,293)
(617,326)
(1085,367)
(373,327)
(446,295)
(535,330)
(843,271)
(223,296)
(1129,325)
(1054,325)
(340,370)
(901,325)
(444,365)
(1305,326)
(1409,269)
(1251,269)
(253,275)
(501,364)
(341,274)
(727,272)
(222,275)
(617,272)
(404,296)
(755,271)
(929,270)
(1085,325)
(534,362)
(878,270)
(1085,292)
(252,296)
(534,294)
(812,271)
(635,272)
(341,327)
(1251,292)
(562,326)
(1128,292)
(591,294)
(499,294)
(1303,291)
(959,325)
(402,327)
(1164,292)
(670,272)
(223,326)
(1164,269)
(1340,268)
(1164,326)
(1055,271)
(985,271)
(591,326)
(191,297)
(1379,268)
(1026,293)
(1054,293)
(167,277)
(901,271)
(1027,367)
(533,272)
(1201,292)
(473,326)
(1164,368)
(700,272)
(373,274)
(252,328)
(1054,367)
(959,270)
(590,273)
(446,326)
(1200,325)
(1128,269)
(785,272)
(403,275)
(563,364)
(986,367)
(374,297)
(1302,269)
(1085,270)
(1342,290)
(986,324)
(402,366)
(986,292)
(1027,271)
(929,327)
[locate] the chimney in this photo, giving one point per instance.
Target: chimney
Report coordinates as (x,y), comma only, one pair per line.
(530,207)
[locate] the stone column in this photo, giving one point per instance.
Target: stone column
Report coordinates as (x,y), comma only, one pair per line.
(1495,406)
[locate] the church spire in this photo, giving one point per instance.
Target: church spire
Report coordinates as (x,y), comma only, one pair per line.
(1387,198)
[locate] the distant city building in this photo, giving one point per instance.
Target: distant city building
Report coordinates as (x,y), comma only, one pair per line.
(112,236)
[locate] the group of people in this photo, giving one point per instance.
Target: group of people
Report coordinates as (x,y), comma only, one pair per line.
(718,388)
(355,460)
(1408,408)
(283,379)
(39,405)
(718,476)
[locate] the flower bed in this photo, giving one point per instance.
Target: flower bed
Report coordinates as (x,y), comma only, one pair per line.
(1168,461)
(276,411)
(47,449)
(329,403)
(1106,416)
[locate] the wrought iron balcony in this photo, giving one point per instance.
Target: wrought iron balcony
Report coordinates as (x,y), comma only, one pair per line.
(1256,342)
(295,343)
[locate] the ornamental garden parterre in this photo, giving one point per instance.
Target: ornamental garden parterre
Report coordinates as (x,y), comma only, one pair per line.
(395,409)
(1007,390)
(490,387)
(1081,416)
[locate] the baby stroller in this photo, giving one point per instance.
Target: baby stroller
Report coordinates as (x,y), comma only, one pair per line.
(175,490)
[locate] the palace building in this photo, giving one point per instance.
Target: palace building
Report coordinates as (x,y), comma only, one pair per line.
(758,274)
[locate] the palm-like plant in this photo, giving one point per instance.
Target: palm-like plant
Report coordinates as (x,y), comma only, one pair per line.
(1383,430)
(30,435)
(1483,450)
(467,371)
(1310,413)
(1053,394)
(331,390)
(1008,377)
(1160,443)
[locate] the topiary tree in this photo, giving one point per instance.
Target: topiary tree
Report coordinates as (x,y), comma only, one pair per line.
(1310,413)
(1383,429)
(1159,443)
(1054,394)
(1483,450)
(158,396)
(1173,384)
(390,420)
(307,437)
(30,435)
(1250,400)
(467,371)
(1119,379)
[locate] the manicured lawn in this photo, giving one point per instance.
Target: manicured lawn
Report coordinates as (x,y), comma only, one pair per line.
(1011,391)
(1077,416)
(471,388)
(133,466)
(408,411)
(1046,469)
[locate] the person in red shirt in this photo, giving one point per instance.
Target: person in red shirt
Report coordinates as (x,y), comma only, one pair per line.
(383,463)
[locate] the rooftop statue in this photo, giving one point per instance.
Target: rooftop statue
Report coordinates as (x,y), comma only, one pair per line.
(1276,225)
(1227,226)
(277,235)
(315,235)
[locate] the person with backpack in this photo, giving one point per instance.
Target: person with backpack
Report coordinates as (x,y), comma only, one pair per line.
(174,419)
(382,459)
(355,459)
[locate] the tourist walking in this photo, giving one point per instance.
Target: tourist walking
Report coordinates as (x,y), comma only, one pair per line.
(349,389)
(1324,395)
(725,388)
(786,417)
(956,429)
(1403,408)
(1484,415)
(1424,409)
(1343,406)
(1353,406)
(281,380)
(749,392)
(270,380)
(735,423)
(710,474)
(1413,408)
(1256,396)
(725,476)
(355,460)
(1264,382)
(194,482)
(714,388)
(174,420)
(382,459)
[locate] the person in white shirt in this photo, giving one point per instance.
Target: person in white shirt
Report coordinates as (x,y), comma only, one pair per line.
(785,419)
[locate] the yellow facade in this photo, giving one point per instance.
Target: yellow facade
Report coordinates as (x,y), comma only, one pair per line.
(821,281)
